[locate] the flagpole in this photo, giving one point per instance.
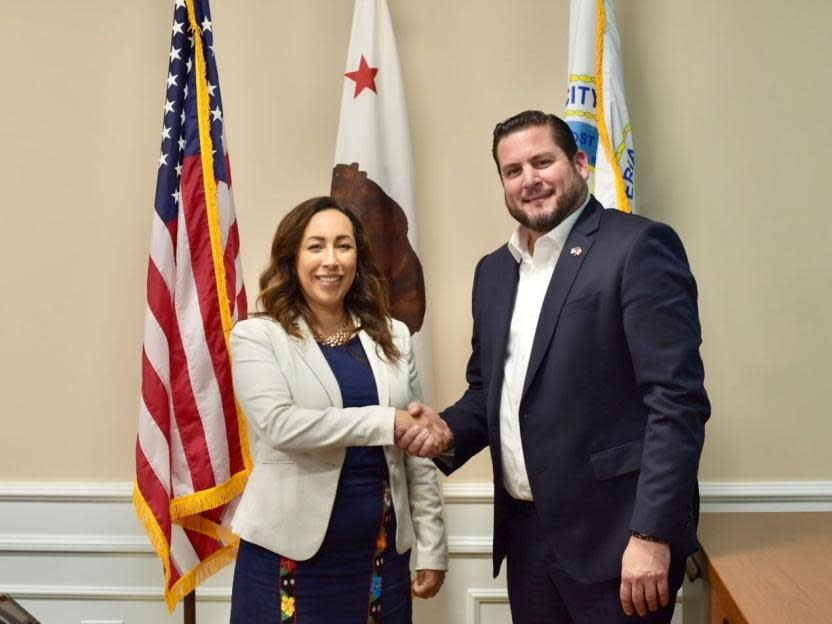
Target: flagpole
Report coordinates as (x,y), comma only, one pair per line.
(190,607)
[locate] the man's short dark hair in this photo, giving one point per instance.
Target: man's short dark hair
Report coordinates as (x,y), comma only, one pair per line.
(561,132)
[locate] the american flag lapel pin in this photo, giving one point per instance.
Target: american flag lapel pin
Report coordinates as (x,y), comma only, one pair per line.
(576,251)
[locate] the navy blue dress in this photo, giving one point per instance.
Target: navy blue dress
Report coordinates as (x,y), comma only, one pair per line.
(356,577)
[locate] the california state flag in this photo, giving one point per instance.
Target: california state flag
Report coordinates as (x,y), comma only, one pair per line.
(595,106)
(373,172)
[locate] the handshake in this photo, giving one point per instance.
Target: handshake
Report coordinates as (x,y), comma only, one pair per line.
(421,431)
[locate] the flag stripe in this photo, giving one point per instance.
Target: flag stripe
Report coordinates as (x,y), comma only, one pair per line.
(162,252)
(154,491)
(158,321)
(205,348)
(182,550)
(232,249)
(157,350)
(202,545)
(155,448)
(225,211)
(155,406)
(181,484)
(209,181)
(210,305)
(185,409)
(241,301)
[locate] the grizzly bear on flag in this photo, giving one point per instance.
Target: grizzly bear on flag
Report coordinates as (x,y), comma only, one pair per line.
(386,225)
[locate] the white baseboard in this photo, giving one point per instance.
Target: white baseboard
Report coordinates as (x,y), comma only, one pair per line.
(771,492)
(768,493)
(107,592)
(57,543)
(58,491)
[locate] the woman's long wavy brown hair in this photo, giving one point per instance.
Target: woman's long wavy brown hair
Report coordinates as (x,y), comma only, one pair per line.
(281,296)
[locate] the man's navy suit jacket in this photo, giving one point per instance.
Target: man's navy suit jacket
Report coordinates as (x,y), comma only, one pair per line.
(613,407)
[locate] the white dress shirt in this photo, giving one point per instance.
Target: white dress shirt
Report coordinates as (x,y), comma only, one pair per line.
(535,274)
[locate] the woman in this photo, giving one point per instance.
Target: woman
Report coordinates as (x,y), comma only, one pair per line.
(332,507)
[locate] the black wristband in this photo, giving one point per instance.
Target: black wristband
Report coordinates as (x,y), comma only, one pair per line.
(648,538)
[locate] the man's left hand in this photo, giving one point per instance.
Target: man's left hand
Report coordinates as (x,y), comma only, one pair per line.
(644,572)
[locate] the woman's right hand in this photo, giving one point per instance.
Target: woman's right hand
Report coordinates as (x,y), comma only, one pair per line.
(421,431)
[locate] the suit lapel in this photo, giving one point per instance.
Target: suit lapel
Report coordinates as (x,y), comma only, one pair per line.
(378,367)
(569,263)
(503,292)
(311,353)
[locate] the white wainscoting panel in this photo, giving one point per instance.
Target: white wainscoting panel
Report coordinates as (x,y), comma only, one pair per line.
(74,553)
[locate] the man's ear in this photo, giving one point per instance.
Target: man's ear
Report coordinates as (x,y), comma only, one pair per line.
(582,164)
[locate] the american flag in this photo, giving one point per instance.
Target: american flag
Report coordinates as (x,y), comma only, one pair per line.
(192,456)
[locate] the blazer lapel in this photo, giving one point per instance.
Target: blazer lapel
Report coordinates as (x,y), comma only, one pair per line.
(566,270)
(311,353)
(378,367)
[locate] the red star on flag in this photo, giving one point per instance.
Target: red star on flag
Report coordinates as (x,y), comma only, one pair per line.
(364,77)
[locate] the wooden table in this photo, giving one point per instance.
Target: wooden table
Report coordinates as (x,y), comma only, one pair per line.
(768,567)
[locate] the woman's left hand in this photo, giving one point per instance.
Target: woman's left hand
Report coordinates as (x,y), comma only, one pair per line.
(427,583)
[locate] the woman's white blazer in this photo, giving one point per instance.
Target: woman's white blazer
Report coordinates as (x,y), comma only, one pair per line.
(299,432)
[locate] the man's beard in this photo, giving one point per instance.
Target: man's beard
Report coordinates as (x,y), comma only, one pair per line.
(566,202)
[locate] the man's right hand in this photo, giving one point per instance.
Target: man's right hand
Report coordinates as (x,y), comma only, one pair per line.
(644,576)
(421,431)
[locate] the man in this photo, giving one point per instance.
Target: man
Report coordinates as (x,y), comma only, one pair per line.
(586,383)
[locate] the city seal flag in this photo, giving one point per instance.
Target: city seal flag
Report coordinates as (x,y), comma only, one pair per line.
(373,173)
(192,456)
(595,106)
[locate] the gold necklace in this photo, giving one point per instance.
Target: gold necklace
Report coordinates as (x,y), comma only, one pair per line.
(341,336)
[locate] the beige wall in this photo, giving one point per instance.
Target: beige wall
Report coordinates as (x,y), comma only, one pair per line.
(721,95)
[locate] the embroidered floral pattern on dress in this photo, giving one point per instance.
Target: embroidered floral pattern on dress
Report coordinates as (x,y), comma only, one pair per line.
(287,589)
(288,568)
(374,611)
